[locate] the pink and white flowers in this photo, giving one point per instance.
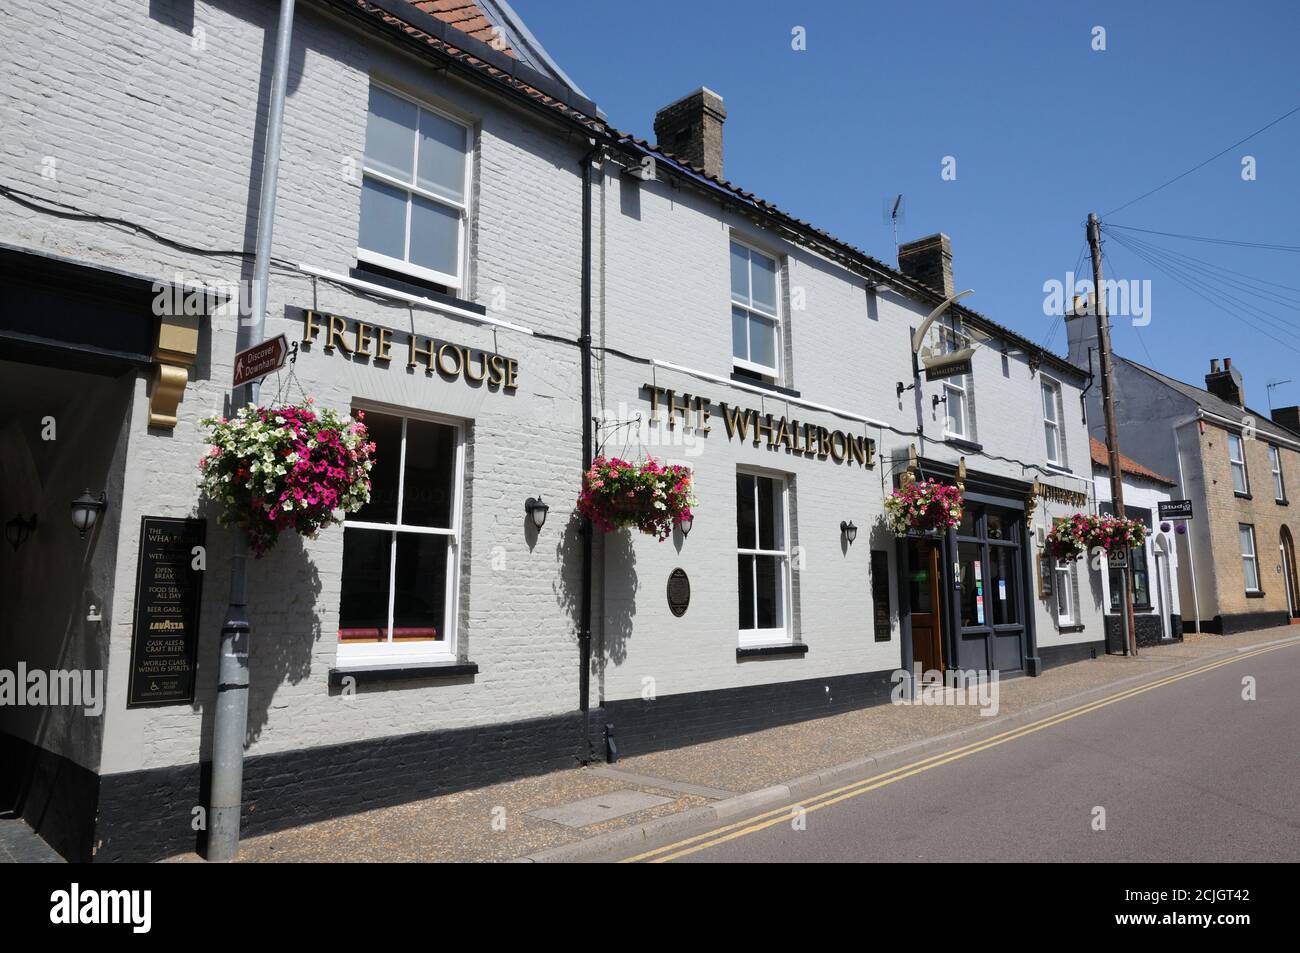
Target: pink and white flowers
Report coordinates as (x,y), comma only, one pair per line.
(1072,536)
(924,505)
(617,494)
(277,468)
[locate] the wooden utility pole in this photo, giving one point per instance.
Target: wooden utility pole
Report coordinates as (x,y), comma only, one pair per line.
(1112,430)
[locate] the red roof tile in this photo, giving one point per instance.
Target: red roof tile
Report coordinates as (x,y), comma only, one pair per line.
(466,16)
(1101,458)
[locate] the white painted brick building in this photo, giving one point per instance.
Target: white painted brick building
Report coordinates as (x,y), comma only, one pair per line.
(132,156)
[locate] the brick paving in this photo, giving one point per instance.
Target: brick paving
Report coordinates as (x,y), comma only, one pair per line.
(19,844)
(493,823)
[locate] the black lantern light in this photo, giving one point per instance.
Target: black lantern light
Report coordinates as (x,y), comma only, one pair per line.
(535,508)
(686,521)
(86,509)
(18,529)
(849,531)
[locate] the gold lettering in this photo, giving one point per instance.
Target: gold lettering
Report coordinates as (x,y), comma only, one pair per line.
(702,414)
(684,407)
(823,438)
(512,373)
(310,326)
(496,370)
(737,421)
(338,330)
(468,358)
(837,452)
(384,346)
(442,354)
(416,351)
(363,339)
(857,449)
(764,425)
(783,433)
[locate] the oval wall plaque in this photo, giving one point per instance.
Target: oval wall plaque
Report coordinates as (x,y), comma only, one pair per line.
(679,592)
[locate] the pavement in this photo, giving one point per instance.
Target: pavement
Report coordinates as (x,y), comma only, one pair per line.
(609,812)
(19,844)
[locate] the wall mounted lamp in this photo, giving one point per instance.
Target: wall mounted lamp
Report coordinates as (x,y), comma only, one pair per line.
(849,531)
(86,509)
(686,522)
(18,529)
(535,508)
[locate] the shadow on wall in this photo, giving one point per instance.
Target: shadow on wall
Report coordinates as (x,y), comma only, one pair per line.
(284,587)
(617,553)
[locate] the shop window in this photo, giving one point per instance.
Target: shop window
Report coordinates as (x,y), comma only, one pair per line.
(762,559)
(755,313)
(398,590)
(415,190)
(1237,462)
(1140,573)
(1249,561)
(1063,577)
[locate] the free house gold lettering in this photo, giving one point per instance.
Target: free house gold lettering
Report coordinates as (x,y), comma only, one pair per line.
(452,361)
(801,439)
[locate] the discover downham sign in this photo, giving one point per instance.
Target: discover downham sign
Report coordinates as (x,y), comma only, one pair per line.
(801,439)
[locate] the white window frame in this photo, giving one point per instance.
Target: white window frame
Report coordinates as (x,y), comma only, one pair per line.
(775,317)
(1063,578)
(785,634)
(1050,387)
(1275,462)
(1238,463)
(951,332)
(456,281)
(1250,558)
(444,649)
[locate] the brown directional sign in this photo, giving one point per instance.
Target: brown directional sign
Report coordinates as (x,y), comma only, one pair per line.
(260,360)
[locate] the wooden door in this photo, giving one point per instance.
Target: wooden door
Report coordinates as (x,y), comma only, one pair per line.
(927,629)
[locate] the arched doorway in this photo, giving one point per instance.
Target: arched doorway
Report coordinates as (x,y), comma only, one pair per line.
(1289,574)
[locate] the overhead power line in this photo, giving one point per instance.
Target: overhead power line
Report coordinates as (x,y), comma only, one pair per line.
(1268,246)
(1200,165)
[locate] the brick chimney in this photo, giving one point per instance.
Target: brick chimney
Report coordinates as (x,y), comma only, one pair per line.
(691,130)
(1227,383)
(1288,417)
(929,261)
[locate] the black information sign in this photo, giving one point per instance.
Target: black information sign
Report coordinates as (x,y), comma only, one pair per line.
(679,592)
(880,595)
(165,639)
(1175,509)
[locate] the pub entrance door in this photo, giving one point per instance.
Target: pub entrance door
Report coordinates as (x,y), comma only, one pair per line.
(923,574)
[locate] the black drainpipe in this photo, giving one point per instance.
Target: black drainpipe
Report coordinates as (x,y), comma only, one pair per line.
(584,342)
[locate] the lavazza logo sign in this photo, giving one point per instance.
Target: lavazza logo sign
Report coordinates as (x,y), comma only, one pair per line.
(74,906)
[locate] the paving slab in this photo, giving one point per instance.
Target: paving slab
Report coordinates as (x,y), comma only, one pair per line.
(595,810)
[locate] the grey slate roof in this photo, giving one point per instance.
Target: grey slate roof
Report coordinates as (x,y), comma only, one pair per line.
(1216,405)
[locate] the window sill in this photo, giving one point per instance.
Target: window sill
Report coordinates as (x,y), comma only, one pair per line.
(395,673)
(1060,468)
(1254,593)
(1282,502)
(784,650)
(765,385)
(412,285)
(961,443)
(1242,496)
(1073,627)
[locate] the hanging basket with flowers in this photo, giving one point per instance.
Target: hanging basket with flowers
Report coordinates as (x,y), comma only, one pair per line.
(617,494)
(285,468)
(924,506)
(1072,536)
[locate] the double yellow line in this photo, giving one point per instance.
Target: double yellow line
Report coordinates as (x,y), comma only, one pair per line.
(780,815)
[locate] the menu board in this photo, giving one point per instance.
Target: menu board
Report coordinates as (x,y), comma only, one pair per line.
(168,590)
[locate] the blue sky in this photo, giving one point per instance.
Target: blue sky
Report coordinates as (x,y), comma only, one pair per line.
(1043,128)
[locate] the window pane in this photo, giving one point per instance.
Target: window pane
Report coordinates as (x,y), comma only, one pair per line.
(973,604)
(1239,478)
(383,219)
(386,432)
(763,278)
(997,525)
(740,334)
(739,273)
(771,587)
(955,408)
(746,533)
(762,341)
(363,602)
(1049,403)
(1247,541)
(435,236)
(771,527)
(1116,584)
(1064,588)
(745,574)
(441,165)
(969,517)
(420,587)
(1252,575)
(390,134)
(429,489)
(1002,585)
(1052,452)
